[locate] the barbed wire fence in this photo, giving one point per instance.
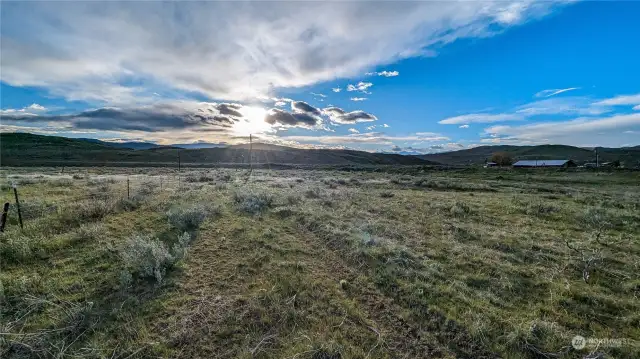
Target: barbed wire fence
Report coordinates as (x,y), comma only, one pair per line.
(20,205)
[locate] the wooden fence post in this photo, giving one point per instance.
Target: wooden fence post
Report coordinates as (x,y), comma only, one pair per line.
(15,192)
(127,187)
(3,220)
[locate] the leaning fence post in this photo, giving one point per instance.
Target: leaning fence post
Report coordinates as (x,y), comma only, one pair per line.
(15,192)
(127,187)
(3,220)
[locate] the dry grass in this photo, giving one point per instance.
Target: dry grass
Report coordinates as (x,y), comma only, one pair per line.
(320,264)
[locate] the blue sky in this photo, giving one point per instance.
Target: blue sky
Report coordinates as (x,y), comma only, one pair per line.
(413,77)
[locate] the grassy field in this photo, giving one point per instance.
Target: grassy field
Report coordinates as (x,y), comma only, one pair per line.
(319,264)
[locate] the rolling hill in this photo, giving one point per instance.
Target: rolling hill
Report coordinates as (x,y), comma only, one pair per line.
(23,149)
(477,155)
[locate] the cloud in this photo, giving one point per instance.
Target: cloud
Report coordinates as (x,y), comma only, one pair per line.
(338,115)
(29,110)
(282,118)
(464,126)
(319,94)
(384,73)
(553,92)
(602,131)
(637,108)
(360,86)
(303,107)
(117,52)
(370,128)
(628,100)
(385,125)
(174,120)
(336,89)
(480,118)
(563,106)
(365,138)
(353,130)
(280,104)
(358,99)
(160,117)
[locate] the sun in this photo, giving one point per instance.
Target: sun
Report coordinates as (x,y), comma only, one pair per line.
(252,121)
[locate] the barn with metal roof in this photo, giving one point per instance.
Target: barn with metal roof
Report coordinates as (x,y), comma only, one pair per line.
(545,163)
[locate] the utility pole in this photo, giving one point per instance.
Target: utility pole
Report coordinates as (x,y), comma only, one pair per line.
(250,151)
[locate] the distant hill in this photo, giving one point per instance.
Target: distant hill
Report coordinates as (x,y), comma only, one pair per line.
(477,155)
(23,149)
(137,145)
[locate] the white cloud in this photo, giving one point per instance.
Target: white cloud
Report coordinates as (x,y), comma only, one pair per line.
(553,92)
(623,100)
(280,103)
(32,109)
(385,125)
(464,126)
(637,108)
(227,50)
(604,131)
(582,106)
(480,118)
(360,86)
(336,89)
(319,94)
(370,128)
(358,99)
(353,130)
(370,138)
(384,73)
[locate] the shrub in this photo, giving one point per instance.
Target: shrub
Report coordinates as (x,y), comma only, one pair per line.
(90,231)
(386,194)
(145,257)
(179,249)
(312,193)
(37,209)
(188,218)
(18,248)
(538,208)
(253,202)
(460,209)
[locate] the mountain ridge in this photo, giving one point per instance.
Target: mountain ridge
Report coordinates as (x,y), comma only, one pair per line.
(24,149)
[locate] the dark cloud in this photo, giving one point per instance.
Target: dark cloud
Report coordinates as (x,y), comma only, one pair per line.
(280,117)
(230,109)
(339,115)
(395,148)
(333,111)
(436,147)
(149,119)
(301,106)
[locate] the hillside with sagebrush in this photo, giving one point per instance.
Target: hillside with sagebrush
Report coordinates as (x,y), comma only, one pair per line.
(23,149)
(629,156)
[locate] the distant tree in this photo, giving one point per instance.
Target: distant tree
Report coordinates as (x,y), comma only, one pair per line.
(502,159)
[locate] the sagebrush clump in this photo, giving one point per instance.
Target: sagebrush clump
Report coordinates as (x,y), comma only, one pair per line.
(145,257)
(253,202)
(189,217)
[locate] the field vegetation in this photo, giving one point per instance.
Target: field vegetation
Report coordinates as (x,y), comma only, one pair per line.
(223,263)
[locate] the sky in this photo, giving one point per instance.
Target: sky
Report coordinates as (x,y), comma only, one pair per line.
(406,77)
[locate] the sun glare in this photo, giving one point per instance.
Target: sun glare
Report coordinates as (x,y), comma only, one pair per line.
(252,122)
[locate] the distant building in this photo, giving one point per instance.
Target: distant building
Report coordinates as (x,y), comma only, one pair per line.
(490,164)
(545,163)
